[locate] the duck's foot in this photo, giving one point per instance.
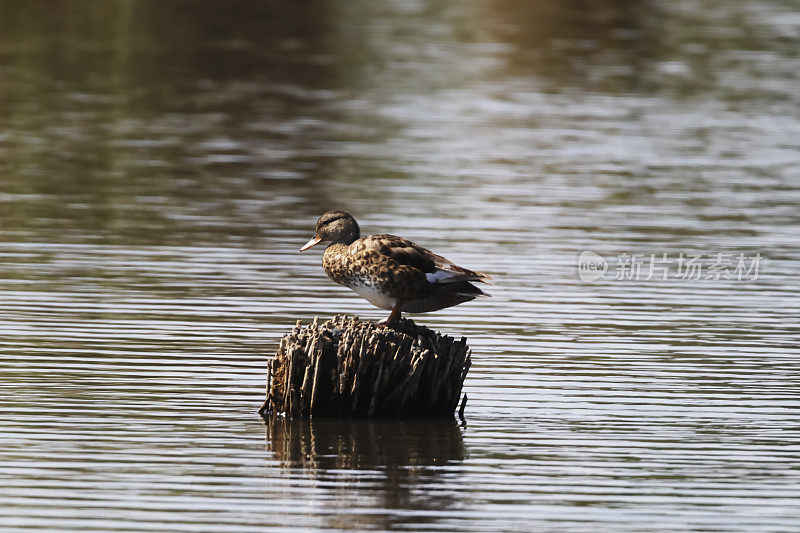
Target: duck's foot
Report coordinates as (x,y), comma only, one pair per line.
(385,323)
(392,318)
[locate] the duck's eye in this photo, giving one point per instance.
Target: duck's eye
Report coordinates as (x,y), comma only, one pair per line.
(331,220)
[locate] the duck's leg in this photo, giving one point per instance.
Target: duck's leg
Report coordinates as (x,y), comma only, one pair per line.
(393,317)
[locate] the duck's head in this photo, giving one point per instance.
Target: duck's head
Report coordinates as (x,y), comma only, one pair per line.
(338,227)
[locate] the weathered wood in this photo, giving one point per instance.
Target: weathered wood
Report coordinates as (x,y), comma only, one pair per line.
(346,367)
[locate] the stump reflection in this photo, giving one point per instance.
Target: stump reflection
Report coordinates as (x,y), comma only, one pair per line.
(397,464)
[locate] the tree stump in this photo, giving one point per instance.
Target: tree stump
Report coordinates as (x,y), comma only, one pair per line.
(348,367)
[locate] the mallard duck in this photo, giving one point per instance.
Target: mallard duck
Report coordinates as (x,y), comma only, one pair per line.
(391,272)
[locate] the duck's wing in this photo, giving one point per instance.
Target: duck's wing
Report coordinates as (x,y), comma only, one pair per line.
(436,268)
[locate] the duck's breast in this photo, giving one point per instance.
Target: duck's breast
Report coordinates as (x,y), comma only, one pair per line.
(336,263)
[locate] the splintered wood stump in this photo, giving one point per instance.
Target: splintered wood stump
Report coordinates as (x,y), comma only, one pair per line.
(346,367)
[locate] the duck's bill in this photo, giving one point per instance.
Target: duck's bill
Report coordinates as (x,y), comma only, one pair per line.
(311,243)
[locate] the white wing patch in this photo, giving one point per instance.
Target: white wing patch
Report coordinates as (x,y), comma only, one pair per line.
(440,276)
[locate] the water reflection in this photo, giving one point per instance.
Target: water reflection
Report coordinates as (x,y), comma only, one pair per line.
(199,117)
(382,464)
(158,128)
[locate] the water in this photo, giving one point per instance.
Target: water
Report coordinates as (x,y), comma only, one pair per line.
(161,162)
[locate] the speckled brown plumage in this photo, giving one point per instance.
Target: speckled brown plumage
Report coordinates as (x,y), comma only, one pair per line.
(392,272)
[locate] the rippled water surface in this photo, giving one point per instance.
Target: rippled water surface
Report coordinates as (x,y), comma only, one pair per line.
(162,162)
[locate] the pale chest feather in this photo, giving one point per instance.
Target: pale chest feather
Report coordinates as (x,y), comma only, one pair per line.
(373,295)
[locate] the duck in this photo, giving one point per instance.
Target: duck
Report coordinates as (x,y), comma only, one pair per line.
(391,272)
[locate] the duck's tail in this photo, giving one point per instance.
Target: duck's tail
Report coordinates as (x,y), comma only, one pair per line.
(483,278)
(466,288)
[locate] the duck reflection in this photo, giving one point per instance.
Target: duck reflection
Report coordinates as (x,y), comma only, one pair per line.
(401,465)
